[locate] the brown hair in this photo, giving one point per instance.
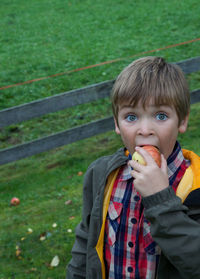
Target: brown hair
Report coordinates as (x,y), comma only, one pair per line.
(151,78)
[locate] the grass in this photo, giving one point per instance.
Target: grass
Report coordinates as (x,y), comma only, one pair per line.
(41,38)
(44,184)
(38,42)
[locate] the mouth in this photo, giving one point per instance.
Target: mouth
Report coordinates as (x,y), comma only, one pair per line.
(142,145)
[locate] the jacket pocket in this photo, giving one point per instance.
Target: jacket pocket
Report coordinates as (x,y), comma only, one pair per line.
(114,217)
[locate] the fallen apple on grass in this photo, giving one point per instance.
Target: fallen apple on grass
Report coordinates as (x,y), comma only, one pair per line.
(14,201)
(152,150)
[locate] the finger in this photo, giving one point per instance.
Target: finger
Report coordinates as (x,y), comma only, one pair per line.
(134,174)
(135,165)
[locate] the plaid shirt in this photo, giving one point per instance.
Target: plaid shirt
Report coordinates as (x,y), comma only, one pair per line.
(129,249)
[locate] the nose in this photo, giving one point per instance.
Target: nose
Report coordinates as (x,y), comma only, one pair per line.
(145,128)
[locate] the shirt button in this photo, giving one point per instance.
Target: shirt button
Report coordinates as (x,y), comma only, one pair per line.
(130,244)
(133,220)
(130,269)
(136,198)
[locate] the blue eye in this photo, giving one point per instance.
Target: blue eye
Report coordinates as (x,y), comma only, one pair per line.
(131,118)
(161,116)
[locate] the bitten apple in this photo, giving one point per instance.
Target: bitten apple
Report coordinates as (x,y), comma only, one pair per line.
(138,158)
(15,201)
(152,150)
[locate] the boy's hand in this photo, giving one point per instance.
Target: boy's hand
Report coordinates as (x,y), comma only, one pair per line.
(149,179)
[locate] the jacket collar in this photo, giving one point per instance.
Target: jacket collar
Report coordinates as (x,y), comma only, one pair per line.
(189,187)
(195,166)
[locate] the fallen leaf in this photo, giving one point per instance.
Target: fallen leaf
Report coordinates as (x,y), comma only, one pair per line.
(18,252)
(71,217)
(55,261)
(42,238)
(80,173)
(29,230)
(68,202)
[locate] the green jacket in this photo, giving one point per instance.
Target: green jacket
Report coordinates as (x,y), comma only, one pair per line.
(175,225)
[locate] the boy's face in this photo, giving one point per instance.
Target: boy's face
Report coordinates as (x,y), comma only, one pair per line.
(153,125)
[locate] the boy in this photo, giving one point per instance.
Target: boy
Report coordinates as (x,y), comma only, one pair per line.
(143,221)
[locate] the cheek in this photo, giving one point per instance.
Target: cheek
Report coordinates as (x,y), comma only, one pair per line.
(128,140)
(168,143)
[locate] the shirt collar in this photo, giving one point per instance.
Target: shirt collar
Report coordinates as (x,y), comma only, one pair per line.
(126,173)
(175,160)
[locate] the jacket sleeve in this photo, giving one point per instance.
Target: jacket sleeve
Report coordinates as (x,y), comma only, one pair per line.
(76,268)
(175,232)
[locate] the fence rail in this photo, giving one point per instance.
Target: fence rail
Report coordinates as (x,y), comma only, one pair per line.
(66,100)
(55,103)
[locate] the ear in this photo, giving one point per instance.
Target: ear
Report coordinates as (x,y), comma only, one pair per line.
(183,125)
(117,130)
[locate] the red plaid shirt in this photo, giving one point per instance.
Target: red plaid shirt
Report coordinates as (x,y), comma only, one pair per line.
(129,249)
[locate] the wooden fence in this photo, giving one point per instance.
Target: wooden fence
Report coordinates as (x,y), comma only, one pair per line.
(65,100)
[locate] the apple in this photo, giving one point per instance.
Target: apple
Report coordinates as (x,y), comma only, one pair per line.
(15,201)
(152,150)
(138,158)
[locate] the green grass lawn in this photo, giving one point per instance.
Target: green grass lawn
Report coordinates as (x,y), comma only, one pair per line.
(41,38)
